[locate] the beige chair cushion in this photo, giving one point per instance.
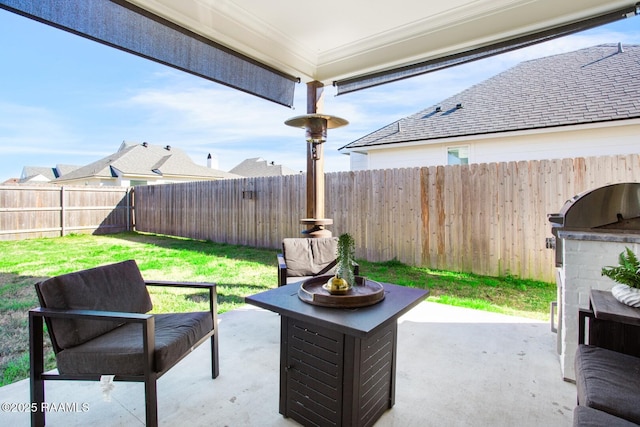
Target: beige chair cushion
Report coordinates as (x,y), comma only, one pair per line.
(309,256)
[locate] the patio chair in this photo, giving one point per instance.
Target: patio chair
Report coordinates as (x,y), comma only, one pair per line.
(303,258)
(97,324)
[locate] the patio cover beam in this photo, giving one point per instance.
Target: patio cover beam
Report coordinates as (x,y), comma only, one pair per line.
(120,24)
(364,81)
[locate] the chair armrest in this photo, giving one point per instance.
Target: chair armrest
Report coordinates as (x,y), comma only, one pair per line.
(281,262)
(36,345)
(37,314)
(91,314)
(583,314)
(356,268)
(282,270)
(197,285)
(213,295)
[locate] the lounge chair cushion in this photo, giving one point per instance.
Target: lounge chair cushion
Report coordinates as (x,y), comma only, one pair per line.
(115,287)
(120,351)
(308,257)
(583,416)
(608,381)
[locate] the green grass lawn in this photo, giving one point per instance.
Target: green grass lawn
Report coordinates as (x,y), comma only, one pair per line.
(506,295)
(237,270)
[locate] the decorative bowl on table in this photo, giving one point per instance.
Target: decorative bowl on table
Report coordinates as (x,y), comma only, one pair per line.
(365,292)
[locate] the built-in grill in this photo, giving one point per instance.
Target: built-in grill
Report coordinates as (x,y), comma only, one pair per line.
(589,232)
(613,208)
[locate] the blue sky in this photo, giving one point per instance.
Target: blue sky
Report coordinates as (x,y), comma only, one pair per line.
(68,100)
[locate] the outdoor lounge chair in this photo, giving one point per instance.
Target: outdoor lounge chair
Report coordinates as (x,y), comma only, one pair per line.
(303,258)
(97,323)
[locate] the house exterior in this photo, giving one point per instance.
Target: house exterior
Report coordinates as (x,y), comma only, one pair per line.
(141,164)
(582,103)
(257,166)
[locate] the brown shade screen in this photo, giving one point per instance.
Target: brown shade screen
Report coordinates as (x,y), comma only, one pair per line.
(124,26)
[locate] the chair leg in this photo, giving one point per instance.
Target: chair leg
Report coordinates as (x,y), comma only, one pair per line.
(36,366)
(151,401)
(215,365)
(213,307)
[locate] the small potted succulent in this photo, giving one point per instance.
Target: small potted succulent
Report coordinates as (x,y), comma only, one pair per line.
(344,278)
(627,275)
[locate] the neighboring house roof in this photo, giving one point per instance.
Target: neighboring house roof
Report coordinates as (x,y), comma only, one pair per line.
(65,169)
(145,161)
(29,172)
(596,84)
(44,174)
(260,167)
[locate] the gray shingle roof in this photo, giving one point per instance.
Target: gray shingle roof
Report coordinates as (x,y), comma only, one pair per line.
(259,167)
(595,84)
(29,172)
(64,169)
(145,160)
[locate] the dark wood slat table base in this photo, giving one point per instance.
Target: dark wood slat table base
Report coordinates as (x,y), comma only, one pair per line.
(337,366)
(612,325)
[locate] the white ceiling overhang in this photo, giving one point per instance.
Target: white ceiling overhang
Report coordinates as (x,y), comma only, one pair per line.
(263,47)
(337,39)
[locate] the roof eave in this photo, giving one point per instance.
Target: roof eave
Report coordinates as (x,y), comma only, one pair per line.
(511,132)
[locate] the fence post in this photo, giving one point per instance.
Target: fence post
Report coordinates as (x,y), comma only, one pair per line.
(62,205)
(130,206)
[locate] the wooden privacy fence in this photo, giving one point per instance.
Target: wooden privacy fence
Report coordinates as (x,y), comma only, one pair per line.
(488,219)
(50,211)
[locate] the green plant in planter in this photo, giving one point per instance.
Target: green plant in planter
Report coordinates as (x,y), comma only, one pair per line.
(346,258)
(628,270)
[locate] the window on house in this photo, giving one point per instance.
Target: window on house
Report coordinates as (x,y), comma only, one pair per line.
(135,182)
(458,155)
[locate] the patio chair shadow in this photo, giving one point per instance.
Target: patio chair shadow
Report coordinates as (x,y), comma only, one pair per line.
(202,246)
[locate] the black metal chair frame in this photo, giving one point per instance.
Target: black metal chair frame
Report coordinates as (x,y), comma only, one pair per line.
(150,376)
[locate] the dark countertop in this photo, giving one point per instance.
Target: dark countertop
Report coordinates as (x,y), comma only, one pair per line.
(606,307)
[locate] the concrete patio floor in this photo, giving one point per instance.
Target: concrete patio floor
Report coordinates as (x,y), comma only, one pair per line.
(455,367)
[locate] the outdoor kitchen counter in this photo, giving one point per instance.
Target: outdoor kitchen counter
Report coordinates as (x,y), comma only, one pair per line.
(584,252)
(337,365)
(623,236)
